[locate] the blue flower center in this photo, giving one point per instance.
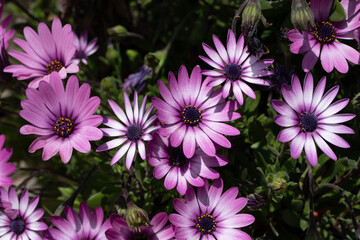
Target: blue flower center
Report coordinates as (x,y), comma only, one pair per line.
(177,157)
(324,32)
(206,224)
(233,71)
(17,226)
(134,132)
(63,127)
(308,122)
(54,65)
(191,115)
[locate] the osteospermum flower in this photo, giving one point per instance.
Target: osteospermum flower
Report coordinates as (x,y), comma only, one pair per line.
(351,9)
(62,117)
(135,128)
(24,224)
(6,168)
(193,114)
(171,163)
(155,231)
(6,35)
(45,52)
(309,115)
(210,214)
(322,41)
(137,80)
(84,226)
(83,48)
(235,66)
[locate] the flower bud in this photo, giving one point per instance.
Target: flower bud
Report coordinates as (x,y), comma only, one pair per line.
(151,60)
(251,14)
(356,102)
(279,185)
(136,217)
(301,15)
(255,201)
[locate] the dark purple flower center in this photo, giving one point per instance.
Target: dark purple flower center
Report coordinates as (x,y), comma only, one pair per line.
(233,71)
(308,122)
(177,157)
(140,236)
(63,127)
(17,226)
(54,65)
(206,224)
(324,32)
(80,54)
(134,132)
(191,115)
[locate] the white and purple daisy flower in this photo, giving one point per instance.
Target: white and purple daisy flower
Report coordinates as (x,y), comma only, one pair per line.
(5,35)
(155,231)
(322,41)
(24,222)
(309,115)
(45,52)
(62,117)
(135,128)
(83,48)
(171,163)
(6,168)
(235,66)
(84,226)
(210,214)
(192,113)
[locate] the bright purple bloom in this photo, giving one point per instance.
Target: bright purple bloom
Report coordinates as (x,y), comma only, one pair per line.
(6,35)
(211,214)
(351,8)
(235,66)
(137,80)
(83,48)
(62,117)
(308,116)
(45,52)
(84,226)
(6,168)
(24,224)
(156,231)
(179,170)
(322,41)
(192,113)
(135,128)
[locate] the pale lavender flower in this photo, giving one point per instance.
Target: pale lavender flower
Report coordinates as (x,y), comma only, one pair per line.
(83,48)
(6,168)
(137,80)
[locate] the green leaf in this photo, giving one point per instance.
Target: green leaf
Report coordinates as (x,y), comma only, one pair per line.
(95,199)
(352,164)
(337,12)
(265,5)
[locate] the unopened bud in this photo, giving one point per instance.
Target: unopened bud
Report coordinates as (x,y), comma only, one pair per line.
(356,102)
(251,14)
(151,60)
(279,185)
(301,15)
(255,201)
(136,217)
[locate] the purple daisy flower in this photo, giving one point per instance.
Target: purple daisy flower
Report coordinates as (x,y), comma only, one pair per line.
(137,80)
(83,48)
(322,40)
(24,224)
(308,116)
(179,170)
(210,214)
(351,8)
(45,52)
(235,66)
(193,113)
(156,231)
(135,128)
(6,35)
(62,117)
(84,226)
(6,168)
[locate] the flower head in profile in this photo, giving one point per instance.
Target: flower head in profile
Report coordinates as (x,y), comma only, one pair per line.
(171,163)
(309,118)
(192,113)
(83,48)
(6,35)
(281,75)
(137,80)
(155,231)
(4,62)
(235,66)
(84,226)
(63,117)
(210,214)
(322,42)
(6,168)
(25,220)
(136,127)
(44,52)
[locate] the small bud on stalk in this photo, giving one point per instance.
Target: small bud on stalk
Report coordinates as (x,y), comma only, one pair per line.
(301,15)
(136,217)
(279,185)
(251,15)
